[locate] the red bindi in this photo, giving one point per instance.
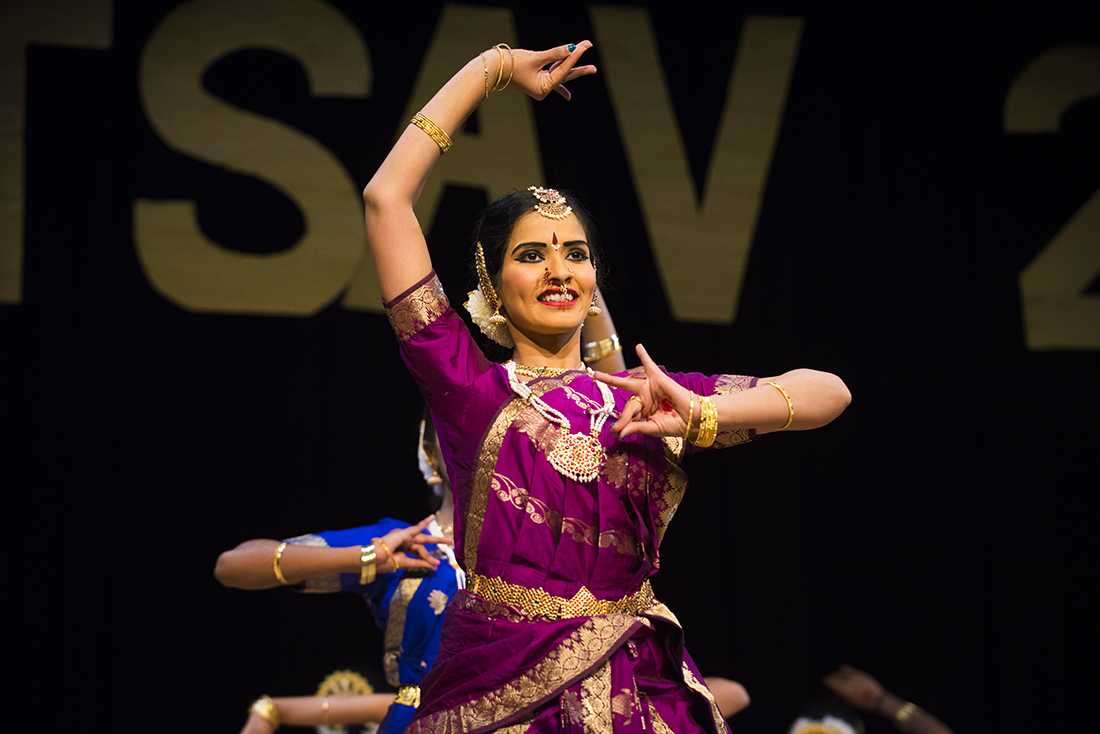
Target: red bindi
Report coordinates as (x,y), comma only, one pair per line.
(555,240)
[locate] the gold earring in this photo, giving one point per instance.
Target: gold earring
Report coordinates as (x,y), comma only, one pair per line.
(594,307)
(486,285)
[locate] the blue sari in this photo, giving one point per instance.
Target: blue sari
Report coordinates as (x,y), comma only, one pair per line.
(407,607)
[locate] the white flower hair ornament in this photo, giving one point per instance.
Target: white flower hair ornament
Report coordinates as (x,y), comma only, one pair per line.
(484,305)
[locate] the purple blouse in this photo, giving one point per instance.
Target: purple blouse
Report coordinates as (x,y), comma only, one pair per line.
(516,517)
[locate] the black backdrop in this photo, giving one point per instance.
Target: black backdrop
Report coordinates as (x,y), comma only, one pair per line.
(939,534)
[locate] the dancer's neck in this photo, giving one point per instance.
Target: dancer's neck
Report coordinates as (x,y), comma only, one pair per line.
(561,351)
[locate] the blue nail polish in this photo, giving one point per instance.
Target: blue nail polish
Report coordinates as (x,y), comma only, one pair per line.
(572,47)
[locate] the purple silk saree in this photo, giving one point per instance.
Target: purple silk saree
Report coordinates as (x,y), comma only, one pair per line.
(503,662)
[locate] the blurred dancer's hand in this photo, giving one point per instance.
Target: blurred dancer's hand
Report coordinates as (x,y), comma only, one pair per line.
(857,688)
(662,406)
(410,540)
(532,76)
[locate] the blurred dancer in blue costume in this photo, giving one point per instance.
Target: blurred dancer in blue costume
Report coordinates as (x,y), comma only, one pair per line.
(406,595)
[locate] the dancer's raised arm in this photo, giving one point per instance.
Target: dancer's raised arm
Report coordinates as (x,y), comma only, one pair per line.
(393,233)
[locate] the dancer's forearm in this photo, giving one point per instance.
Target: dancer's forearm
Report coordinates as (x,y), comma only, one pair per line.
(393,233)
(249,566)
(310,711)
(324,711)
(818,397)
(916,721)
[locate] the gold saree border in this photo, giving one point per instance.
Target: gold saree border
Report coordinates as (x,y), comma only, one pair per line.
(587,647)
(701,688)
(659,725)
(395,627)
(596,701)
(418,307)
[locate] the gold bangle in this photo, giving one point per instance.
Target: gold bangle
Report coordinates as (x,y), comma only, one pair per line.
(378,544)
(500,71)
(275,564)
(511,67)
(790,404)
(485,70)
(597,350)
(408,696)
(708,423)
(367,568)
(435,132)
(691,416)
(264,707)
(906,712)
(324,711)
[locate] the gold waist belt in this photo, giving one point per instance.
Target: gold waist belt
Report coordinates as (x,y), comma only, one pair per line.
(537,602)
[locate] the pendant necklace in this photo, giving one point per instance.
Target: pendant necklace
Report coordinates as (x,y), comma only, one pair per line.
(575,455)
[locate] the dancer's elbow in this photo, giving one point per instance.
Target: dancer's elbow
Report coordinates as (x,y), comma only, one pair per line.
(831,395)
(226,569)
(378,195)
(837,395)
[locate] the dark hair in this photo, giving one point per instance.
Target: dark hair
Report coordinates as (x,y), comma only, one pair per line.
(495,225)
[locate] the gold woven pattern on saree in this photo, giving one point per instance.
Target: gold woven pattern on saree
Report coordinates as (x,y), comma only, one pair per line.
(536,602)
(417,309)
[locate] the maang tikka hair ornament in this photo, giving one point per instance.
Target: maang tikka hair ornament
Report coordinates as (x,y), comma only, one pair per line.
(484,304)
(552,204)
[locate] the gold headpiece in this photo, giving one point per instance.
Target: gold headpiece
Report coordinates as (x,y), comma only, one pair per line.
(552,204)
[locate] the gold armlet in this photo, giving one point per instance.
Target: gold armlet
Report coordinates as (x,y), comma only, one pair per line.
(435,132)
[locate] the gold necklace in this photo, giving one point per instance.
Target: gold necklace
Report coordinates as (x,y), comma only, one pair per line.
(577,456)
(526,371)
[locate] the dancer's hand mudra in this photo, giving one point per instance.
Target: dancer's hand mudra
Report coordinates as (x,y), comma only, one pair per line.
(662,404)
(533,77)
(411,540)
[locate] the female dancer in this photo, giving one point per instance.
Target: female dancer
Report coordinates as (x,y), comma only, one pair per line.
(406,596)
(558,518)
(407,606)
